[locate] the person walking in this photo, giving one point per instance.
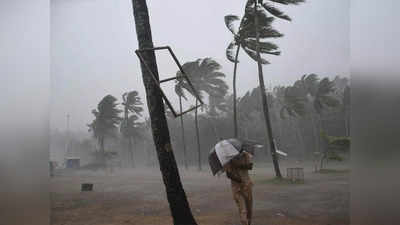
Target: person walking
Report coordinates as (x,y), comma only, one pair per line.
(237,171)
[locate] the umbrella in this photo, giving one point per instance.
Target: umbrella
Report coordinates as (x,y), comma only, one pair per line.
(225,150)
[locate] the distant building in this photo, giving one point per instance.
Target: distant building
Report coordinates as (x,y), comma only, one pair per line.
(72,162)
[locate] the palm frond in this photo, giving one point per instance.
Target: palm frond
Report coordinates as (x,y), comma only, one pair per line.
(275,11)
(288,2)
(325,86)
(265,47)
(310,83)
(179,90)
(253,54)
(230,52)
(209,65)
(324,97)
(229,20)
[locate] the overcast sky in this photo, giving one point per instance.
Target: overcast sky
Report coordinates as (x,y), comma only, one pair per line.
(93,43)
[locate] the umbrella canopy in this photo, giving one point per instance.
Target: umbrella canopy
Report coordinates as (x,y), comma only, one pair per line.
(225,150)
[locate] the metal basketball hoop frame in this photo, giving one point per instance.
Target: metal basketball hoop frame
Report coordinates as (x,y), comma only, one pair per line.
(158,82)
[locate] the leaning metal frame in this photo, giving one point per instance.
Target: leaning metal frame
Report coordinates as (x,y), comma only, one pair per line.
(158,82)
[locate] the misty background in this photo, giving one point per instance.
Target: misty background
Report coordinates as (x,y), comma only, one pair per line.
(93,44)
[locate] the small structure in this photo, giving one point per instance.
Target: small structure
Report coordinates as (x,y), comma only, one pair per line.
(295,174)
(87,187)
(72,162)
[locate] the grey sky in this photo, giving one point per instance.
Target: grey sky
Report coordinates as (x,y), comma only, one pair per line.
(93,43)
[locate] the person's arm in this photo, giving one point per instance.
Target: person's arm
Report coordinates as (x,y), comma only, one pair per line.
(248,166)
(242,162)
(233,177)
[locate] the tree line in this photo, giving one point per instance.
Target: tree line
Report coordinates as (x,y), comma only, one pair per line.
(301,114)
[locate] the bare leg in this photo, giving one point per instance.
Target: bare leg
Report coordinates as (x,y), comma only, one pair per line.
(248,194)
(241,204)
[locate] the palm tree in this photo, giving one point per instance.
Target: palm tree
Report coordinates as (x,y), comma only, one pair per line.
(205,77)
(132,130)
(254,26)
(292,104)
(244,37)
(180,92)
(218,107)
(346,109)
(132,104)
(320,94)
(179,206)
(105,123)
(229,19)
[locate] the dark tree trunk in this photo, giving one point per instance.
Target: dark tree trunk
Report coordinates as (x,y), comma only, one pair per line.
(183,135)
(300,135)
(128,137)
(102,152)
(131,151)
(215,129)
(197,137)
(347,123)
(264,99)
(235,119)
(179,206)
(315,133)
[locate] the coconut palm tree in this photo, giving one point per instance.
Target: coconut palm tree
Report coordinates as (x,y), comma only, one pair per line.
(179,90)
(218,107)
(131,130)
(105,123)
(346,109)
(320,95)
(206,78)
(242,39)
(292,104)
(254,28)
(132,105)
(179,206)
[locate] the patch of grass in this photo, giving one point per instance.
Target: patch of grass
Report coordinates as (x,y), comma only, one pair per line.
(332,171)
(278,181)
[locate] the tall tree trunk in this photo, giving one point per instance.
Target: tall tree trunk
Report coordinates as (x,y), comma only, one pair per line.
(295,127)
(346,123)
(197,136)
(179,206)
(264,98)
(128,137)
(315,133)
(235,119)
(131,151)
(300,135)
(212,121)
(183,135)
(102,152)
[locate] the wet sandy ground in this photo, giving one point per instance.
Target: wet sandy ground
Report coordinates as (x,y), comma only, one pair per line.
(138,197)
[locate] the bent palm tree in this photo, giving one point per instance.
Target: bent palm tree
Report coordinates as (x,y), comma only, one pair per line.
(320,95)
(256,25)
(218,107)
(105,123)
(131,129)
(292,104)
(179,91)
(206,78)
(132,104)
(176,196)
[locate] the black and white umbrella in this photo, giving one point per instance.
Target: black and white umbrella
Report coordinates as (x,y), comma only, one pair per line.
(225,150)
